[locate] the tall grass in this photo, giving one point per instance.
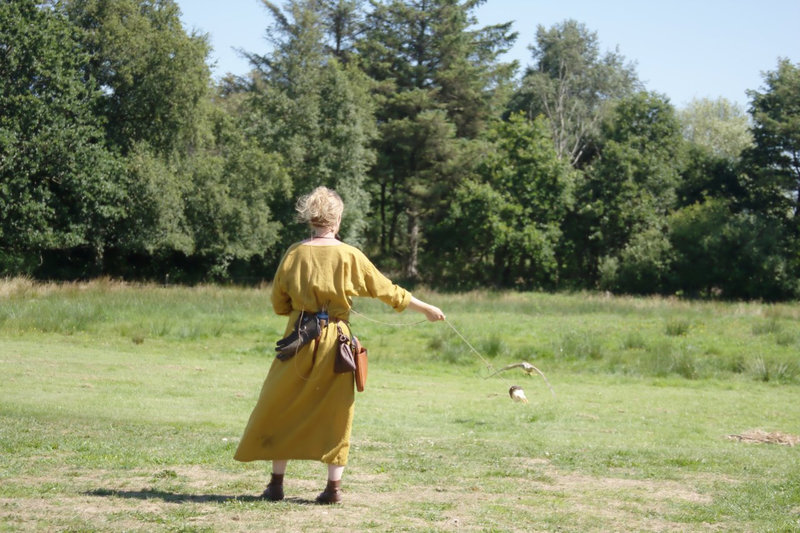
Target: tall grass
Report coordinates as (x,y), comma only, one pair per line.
(590,333)
(133,311)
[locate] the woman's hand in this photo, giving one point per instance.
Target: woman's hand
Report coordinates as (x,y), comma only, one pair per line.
(431,312)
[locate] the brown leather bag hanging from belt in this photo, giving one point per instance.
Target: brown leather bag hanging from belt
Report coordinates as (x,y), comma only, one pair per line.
(361,365)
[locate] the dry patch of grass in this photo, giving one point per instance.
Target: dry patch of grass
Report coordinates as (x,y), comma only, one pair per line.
(759,436)
(202,498)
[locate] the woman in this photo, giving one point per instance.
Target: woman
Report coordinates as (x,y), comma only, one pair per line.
(305,410)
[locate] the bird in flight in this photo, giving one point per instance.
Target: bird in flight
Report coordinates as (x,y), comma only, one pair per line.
(528,369)
(517,394)
(525,366)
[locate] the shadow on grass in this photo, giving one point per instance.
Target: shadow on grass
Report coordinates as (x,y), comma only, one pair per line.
(177,497)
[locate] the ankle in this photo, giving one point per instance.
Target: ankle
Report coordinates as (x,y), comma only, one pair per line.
(332,492)
(274,490)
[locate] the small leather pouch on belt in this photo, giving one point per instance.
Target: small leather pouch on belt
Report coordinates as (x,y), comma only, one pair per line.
(361,365)
(306,329)
(345,360)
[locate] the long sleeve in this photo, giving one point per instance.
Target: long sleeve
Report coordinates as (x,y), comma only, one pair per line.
(376,285)
(281,300)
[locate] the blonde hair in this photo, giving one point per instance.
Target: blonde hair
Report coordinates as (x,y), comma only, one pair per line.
(321,208)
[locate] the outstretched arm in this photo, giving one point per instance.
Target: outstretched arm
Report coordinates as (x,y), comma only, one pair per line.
(431,312)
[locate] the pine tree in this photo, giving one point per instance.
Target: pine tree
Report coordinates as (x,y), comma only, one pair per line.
(313,110)
(439,81)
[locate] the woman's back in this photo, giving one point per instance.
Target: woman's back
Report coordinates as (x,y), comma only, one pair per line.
(312,277)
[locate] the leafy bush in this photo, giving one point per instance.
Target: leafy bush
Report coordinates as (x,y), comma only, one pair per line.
(739,255)
(642,267)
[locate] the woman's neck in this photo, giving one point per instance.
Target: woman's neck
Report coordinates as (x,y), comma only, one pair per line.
(326,234)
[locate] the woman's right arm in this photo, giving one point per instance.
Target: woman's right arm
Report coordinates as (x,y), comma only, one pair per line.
(379,286)
(431,312)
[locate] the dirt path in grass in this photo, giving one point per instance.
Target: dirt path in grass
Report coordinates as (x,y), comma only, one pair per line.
(197,498)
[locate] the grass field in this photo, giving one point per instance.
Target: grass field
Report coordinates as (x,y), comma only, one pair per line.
(121,407)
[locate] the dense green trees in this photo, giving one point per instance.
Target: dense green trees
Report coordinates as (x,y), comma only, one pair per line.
(120,156)
(153,75)
(631,187)
(59,184)
(774,160)
(503,227)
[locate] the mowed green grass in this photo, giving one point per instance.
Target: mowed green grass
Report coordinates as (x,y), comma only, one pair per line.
(121,407)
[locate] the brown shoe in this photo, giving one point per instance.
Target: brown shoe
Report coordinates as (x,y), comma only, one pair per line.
(274,490)
(332,493)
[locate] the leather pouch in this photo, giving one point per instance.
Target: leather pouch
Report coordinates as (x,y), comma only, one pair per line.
(345,360)
(361,365)
(306,329)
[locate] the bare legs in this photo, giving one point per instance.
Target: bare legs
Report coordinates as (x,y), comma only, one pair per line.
(274,490)
(332,492)
(279,467)
(335,472)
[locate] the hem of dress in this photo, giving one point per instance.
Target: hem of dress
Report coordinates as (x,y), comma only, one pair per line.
(317,459)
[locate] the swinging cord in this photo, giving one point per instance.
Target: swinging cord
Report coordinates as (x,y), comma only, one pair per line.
(488,364)
(395,324)
(482,358)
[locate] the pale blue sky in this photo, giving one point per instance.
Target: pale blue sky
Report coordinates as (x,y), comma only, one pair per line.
(682,48)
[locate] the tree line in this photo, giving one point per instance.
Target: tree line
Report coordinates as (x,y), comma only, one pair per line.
(121,156)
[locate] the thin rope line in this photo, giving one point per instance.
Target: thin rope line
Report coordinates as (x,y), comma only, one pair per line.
(471,347)
(395,324)
(488,364)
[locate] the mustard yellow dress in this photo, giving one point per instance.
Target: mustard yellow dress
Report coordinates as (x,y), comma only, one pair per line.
(305,410)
